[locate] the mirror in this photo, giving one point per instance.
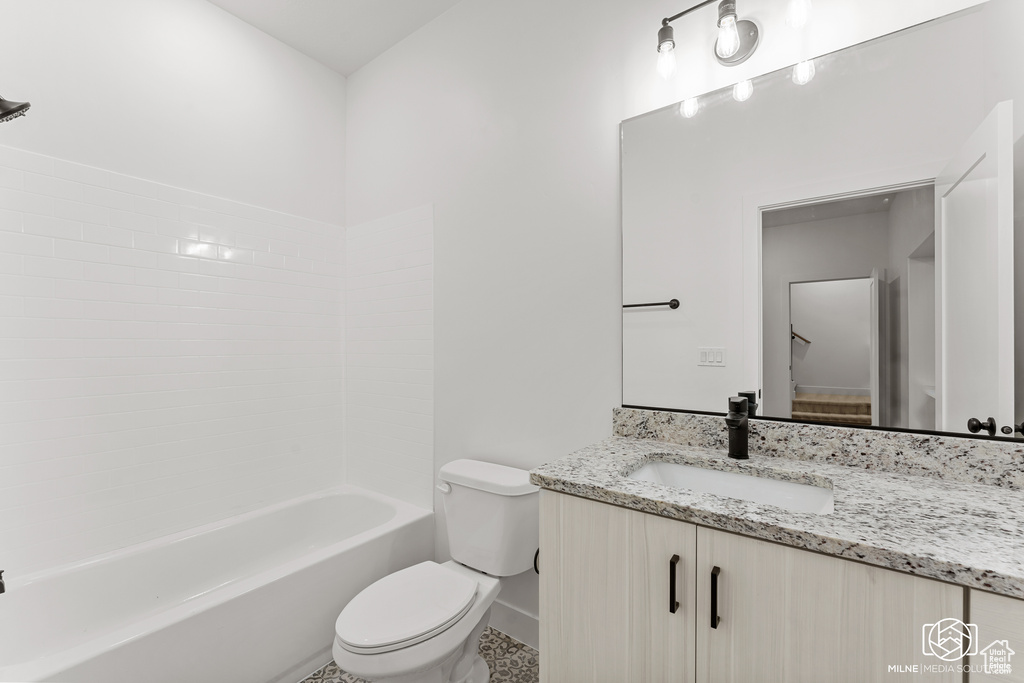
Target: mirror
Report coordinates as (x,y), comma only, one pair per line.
(844,246)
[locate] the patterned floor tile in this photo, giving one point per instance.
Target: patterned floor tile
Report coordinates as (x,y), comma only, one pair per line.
(509,661)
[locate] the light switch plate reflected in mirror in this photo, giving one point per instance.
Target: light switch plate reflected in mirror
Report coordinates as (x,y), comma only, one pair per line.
(711,356)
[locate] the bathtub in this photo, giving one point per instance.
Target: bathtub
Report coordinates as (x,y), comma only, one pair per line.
(252,598)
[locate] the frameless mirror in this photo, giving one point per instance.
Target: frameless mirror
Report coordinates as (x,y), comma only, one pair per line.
(843,245)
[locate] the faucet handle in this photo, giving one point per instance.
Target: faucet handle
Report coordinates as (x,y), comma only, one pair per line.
(751,397)
(738,404)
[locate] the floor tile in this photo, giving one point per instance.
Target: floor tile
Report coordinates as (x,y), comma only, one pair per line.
(509,661)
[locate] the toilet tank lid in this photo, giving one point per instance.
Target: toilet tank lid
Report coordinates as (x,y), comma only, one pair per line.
(489,477)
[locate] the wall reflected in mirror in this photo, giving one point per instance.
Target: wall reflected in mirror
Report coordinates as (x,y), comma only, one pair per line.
(847,244)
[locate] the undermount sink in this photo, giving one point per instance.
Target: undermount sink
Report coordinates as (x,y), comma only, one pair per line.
(788,495)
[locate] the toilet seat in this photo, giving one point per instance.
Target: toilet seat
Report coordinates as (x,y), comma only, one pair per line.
(429,598)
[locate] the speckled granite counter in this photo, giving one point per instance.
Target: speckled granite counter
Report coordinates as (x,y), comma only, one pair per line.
(965,533)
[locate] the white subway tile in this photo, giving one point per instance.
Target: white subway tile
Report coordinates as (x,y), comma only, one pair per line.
(80,211)
(50,186)
(133,371)
(108,272)
(112,199)
(79,173)
(137,258)
(158,208)
(51,267)
(12,178)
(26,161)
(21,243)
(102,234)
(151,242)
(80,251)
(27,202)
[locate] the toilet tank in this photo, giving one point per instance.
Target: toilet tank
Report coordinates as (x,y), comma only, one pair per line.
(492,513)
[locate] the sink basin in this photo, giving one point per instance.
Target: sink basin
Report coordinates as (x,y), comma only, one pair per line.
(784,494)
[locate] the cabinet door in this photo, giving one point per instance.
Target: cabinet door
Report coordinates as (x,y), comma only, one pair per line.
(604,594)
(662,642)
(1000,622)
(790,616)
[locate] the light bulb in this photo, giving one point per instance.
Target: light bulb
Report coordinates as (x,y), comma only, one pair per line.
(798,13)
(666,61)
(742,91)
(690,107)
(728,42)
(803,72)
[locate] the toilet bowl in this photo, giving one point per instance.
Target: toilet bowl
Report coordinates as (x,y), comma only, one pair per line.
(437,636)
(423,624)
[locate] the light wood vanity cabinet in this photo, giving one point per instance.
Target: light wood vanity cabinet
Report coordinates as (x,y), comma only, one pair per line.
(786,615)
(998,618)
(605,586)
(790,615)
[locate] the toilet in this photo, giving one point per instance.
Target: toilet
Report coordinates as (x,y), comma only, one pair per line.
(423,624)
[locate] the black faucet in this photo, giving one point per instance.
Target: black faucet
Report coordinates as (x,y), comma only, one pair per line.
(2,587)
(736,421)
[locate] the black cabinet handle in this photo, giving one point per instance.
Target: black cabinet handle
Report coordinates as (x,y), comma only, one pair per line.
(974,425)
(715,619)
(673,604)
(1008,429)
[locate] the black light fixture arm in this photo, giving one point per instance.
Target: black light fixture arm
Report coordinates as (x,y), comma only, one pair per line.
(668,20)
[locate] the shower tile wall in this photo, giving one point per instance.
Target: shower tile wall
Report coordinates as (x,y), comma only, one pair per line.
(166,359)
(390,355)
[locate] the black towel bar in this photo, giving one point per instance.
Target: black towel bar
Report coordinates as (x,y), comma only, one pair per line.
(674,303)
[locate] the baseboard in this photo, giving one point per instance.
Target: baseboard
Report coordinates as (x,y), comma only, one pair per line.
(523,627)
(301,672)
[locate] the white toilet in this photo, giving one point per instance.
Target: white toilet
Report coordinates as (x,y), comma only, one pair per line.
(423,624)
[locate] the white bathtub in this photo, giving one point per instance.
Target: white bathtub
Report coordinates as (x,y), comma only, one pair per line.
(252,598)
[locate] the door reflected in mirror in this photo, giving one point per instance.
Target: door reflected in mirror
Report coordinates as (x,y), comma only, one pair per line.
(836,273)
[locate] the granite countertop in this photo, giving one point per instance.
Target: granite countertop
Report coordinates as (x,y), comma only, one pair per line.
(964,533)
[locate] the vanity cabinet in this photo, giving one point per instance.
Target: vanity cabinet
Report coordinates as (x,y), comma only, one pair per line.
(790,615)
(605,586)
(786,615)
(998,619)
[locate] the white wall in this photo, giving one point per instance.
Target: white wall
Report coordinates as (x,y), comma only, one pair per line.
(178,92)
(172,352)
(505,118)
(168,359)
(516,148)
(920,395)
(836,317)
(389,355)
(830,249)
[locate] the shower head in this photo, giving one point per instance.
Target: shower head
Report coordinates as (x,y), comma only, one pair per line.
(12,110)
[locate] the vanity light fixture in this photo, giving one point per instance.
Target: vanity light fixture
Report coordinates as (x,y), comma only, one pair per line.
(12,110)
(737,38)
(728,43)
(803,72)
(666,51)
